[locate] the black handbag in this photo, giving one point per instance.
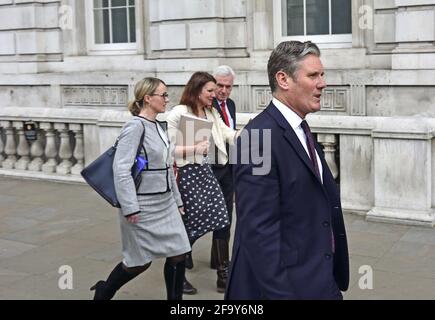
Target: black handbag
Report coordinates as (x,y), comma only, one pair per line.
(99,174)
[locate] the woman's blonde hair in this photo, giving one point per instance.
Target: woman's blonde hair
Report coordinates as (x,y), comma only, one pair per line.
(146,86)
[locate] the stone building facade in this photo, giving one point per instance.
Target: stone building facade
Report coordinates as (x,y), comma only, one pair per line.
(70,66)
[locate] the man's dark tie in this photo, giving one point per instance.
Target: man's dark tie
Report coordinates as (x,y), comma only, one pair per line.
(311,149)
(224,112)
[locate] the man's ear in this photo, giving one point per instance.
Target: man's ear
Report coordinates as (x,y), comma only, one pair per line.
(282,79)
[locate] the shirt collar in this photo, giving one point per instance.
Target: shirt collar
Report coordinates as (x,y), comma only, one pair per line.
(292,117)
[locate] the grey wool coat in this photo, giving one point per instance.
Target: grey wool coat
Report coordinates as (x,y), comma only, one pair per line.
(159,231)
(158,176)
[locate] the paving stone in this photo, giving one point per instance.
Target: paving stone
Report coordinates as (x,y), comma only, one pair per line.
(108,253)
(10,249)
(10,224)
(361,225)
(50,256)
(62,224)
(50,231)
(393,286)
(420,235)
(10,276)
(35,287)
(4,199)
(370,244)
(107,232)
(410,259)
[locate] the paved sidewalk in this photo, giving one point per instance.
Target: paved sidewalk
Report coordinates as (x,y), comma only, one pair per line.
(46,225)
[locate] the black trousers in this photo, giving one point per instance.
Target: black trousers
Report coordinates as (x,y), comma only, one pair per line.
(224,175)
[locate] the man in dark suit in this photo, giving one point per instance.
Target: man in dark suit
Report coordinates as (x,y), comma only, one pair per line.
(290,240)
(223,171)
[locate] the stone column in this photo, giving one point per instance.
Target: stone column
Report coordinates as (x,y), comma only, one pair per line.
(23,149)
(356,171)
(78,153)
(65,152)
(10,146)
(402,172)
(50,148)
(1,148)
(329,141)
(36,152)
(260,24)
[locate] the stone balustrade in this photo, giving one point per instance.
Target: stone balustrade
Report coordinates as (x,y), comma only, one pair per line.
(59,152)
(383,165)
(58,148)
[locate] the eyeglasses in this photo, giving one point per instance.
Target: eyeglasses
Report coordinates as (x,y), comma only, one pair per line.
(163,95)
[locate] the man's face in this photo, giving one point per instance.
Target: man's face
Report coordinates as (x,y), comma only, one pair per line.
(224,85)
(306,89)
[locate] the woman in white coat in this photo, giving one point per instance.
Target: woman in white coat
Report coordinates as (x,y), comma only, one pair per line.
(204,203)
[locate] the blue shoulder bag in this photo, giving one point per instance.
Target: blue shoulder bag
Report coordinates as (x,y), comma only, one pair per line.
(99,174)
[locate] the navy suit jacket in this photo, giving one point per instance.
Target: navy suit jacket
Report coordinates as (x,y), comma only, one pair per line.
(283,240)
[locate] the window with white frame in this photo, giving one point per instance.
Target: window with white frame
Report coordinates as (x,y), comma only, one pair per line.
(321,21)
(112,24)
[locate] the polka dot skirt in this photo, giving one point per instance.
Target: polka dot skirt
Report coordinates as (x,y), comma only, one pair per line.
(203,200)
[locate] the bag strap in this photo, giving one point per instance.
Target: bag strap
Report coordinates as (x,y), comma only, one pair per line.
(140,143)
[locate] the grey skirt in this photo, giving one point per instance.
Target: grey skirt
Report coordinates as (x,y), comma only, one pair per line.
(160,232)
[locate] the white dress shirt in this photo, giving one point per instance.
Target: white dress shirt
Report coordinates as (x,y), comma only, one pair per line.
(295,122)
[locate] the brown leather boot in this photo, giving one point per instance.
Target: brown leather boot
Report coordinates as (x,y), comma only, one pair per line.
(222,258)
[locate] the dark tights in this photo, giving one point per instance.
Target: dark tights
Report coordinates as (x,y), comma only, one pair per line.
(135,271)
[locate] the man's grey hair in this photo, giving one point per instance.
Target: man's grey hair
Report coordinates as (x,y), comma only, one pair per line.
(224,71)
(286,57)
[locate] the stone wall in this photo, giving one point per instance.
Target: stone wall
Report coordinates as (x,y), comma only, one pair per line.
(46,61)
(29,31)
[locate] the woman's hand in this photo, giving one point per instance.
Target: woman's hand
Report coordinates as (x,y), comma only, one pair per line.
(133,218)
(202,147)
(181,209)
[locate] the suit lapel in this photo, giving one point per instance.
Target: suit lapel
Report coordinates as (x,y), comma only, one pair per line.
(232,109)
(291,137)
(218,108)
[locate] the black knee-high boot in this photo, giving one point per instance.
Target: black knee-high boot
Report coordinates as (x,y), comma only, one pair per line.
(105,290)
(222,259)
(174,277)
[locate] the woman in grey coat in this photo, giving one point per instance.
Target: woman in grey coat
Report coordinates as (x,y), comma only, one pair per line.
(150,216)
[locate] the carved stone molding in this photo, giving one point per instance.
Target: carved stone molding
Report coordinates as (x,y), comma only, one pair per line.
(243,98)
(261,98)
(336,99)
(95,96)
(358,100)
